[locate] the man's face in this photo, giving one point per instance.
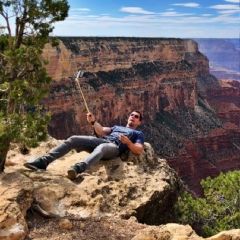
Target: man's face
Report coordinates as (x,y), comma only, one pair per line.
(134,119)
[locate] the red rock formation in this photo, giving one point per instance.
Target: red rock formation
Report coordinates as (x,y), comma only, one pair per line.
(225,100)
(167,80)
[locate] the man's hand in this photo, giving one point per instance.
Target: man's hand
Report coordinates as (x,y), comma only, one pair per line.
(90,117)
(99,129)
(124,139)
(135,148)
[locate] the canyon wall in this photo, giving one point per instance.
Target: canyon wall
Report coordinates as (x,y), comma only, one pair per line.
(168,80)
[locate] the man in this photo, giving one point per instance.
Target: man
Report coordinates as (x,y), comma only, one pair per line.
(109,143)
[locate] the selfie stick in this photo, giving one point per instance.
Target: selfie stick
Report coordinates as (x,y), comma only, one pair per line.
(80,74)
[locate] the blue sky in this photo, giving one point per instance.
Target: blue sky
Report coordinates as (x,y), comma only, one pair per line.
(152,18)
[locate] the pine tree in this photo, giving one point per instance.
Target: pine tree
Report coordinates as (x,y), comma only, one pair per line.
(23,76)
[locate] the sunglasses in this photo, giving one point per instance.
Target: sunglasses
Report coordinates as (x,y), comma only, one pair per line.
(134,115)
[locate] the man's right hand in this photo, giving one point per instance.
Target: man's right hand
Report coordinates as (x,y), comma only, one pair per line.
(90,117)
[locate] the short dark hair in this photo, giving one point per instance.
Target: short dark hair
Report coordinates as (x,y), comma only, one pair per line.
(140,115)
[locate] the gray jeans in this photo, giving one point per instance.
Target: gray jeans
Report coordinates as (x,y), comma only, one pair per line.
(99,148)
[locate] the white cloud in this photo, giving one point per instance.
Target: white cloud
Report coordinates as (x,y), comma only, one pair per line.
(228,12)
(81,9)
(232,1)
(194,5)
(135,10)
(175,14)
(227,6)
(170,17)
(147,26)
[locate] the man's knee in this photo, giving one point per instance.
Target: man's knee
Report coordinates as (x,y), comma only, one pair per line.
(108,150)
(72,141)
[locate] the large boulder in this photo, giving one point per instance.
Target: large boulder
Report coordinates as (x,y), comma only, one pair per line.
(170,231)
(233,234)
(144,187)
(16,193)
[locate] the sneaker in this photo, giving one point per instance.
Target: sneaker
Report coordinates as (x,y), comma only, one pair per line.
(38,164)
(75,170)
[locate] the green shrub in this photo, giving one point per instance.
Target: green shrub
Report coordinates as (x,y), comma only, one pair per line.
(217,211)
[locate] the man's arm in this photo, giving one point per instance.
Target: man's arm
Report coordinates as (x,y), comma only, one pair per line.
(99,129)
(135,148)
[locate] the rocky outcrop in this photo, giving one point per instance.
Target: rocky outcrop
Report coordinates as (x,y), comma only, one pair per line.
(179,232)
(168,80)
(16,198)
(169,231)
(144,187)
(125,186)
(232,234)
(125,195)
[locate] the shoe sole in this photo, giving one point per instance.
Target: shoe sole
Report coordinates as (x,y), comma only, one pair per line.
(72,174)
(27,165)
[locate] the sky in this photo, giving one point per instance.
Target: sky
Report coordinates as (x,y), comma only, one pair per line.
(152,18)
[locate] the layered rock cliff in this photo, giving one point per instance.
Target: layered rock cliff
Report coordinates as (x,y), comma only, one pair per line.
(168,80)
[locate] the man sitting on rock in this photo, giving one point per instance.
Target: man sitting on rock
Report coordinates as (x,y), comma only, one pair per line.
(109,143)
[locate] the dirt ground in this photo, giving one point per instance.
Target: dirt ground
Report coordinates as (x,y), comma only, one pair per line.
(104,228)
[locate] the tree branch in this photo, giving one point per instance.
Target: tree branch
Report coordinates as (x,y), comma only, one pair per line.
(2,55)
(4,90)
(24,70)
(6,17)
